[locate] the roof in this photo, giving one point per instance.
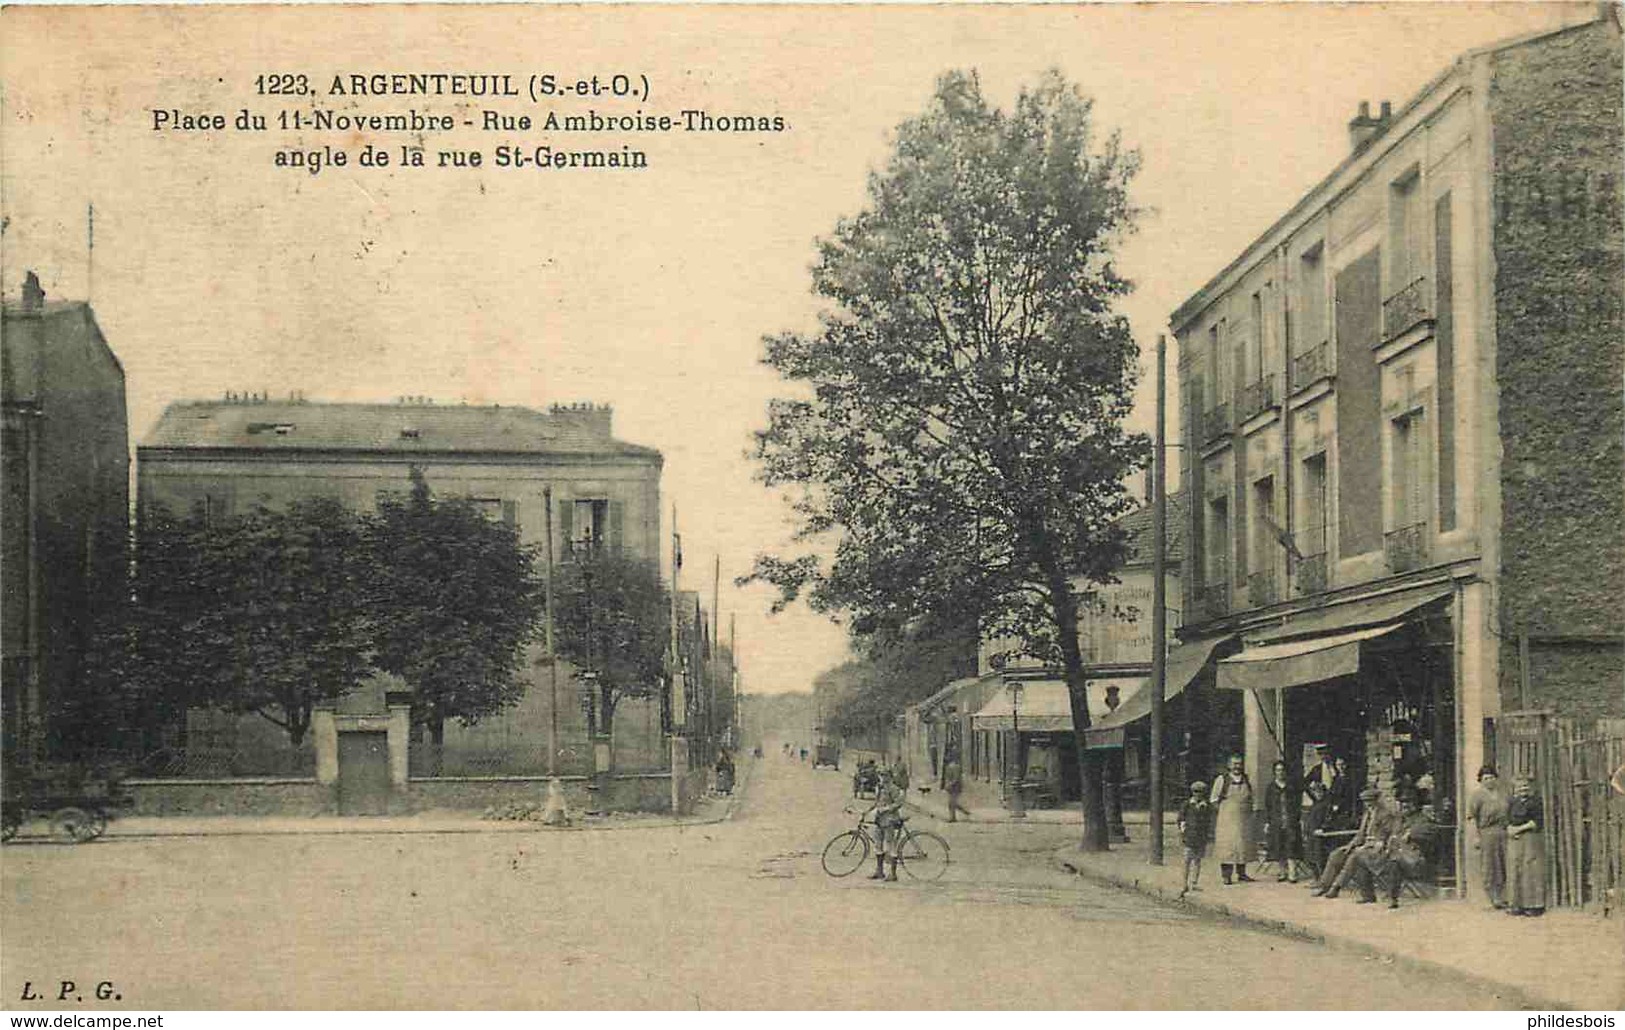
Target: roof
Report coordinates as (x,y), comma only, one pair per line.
(395,428)
(1137,524)
(30,332)
(1199,301)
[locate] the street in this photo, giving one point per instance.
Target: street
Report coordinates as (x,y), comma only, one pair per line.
(734,915)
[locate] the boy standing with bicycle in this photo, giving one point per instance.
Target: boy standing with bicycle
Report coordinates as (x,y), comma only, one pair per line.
(888,810)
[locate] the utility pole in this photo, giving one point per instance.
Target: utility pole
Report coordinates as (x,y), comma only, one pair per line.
(552,656)
(679,693)
(1159,598)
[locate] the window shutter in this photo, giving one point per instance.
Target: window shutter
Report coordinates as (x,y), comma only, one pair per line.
(617,516)
(567,511)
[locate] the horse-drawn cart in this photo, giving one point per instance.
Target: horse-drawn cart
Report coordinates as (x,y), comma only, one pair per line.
(76,804)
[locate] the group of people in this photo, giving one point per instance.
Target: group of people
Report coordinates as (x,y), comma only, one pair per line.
(1301,820)
(1511,844)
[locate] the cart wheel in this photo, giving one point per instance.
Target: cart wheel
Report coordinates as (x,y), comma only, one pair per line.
(98,821)
(74,823)
(9,826)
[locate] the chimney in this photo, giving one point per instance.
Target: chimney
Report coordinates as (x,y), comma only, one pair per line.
(33,293)
(594,418)
(1363,128)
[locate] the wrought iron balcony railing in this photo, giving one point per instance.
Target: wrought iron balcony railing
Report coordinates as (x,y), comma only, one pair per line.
(1406,547)
(1259,396)
(1409,307)
(1216,423)
(1311,573)
(1262,589)
(1314,363)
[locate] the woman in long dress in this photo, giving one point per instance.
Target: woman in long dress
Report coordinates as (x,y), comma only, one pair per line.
(1526,851)
(1282,809)
(1232,799)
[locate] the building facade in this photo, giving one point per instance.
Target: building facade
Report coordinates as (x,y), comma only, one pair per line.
(226,457)
(64,486)
(1403,410)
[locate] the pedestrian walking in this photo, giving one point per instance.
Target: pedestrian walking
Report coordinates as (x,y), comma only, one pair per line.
(1487,809)
(1232,799)
(1526,851)
(1195,826)
(953,781)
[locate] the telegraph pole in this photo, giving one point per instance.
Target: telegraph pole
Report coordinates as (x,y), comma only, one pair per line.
(1159,598)
(552,656)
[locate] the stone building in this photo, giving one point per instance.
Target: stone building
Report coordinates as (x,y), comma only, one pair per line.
(228,456)
(64,486)
(1403,411)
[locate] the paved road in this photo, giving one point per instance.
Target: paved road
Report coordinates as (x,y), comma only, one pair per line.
(734,915)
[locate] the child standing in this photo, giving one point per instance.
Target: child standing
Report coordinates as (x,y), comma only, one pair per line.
(1195,828)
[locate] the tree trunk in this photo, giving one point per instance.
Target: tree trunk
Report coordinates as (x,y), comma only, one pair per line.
(1095,836)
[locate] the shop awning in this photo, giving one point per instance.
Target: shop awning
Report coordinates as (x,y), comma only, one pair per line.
(1310,647)
(1348,616)
(1045,707)
(1185,661)
(1297,662)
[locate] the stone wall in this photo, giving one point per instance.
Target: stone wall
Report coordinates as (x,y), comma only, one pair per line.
(282,797)
(1559,123)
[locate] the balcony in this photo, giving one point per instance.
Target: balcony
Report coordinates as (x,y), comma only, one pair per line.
(1259,397)
(1213,599)
(1408,308)
(1262,589)
(1311,574)
(1314,363)
(1216,423)
(1406,548)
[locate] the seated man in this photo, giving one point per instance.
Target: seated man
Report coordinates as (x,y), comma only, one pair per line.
(1408,853)
(1353,861)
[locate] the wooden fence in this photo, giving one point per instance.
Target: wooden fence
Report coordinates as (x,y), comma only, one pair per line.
(1572,762)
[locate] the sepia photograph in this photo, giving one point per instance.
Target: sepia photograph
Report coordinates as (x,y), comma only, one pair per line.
(813,508)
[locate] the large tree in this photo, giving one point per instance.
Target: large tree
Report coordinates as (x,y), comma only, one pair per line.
(455,597)
(264,613)
(613,623)
(959,427)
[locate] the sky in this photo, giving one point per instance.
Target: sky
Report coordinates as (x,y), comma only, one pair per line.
(215,270)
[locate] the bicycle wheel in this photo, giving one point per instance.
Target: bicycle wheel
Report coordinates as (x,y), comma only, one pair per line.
(846,854)
(924,855)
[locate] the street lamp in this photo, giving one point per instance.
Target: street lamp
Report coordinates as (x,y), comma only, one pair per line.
(1018,804)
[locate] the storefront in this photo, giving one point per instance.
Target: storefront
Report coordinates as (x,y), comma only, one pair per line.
(1199,724)
(1371,680)
(1024,734)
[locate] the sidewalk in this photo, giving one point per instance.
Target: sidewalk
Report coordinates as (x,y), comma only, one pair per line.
(1564,959)
(708,809)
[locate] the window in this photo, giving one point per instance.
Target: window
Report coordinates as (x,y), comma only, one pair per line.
(1410,492)
(1312,538)
(1264,542)
(1218,541)
(1215,385)
(1255,340)
(1309,313)
(1404,218)
(587,525)
(496,509)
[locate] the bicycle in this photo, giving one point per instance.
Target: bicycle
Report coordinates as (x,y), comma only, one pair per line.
(921,853)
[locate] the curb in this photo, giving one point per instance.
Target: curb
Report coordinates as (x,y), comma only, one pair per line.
(1518,997)
(498,826)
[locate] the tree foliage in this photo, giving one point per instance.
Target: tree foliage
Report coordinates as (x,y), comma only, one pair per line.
(281,610)
(455,598)
(266,613)
(958,429)
(613,623)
